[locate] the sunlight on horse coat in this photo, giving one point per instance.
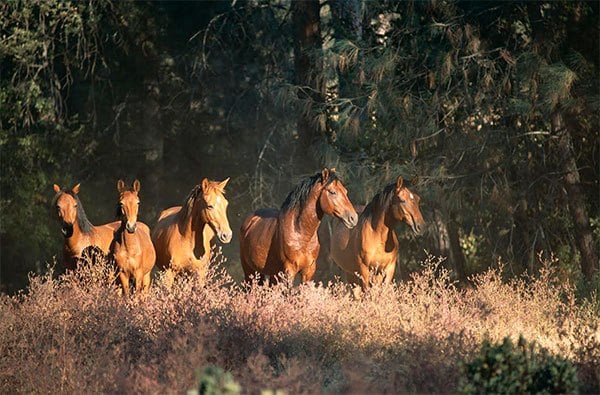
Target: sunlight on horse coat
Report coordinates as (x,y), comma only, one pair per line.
(183,233)
(78,231)
(285,241)
(132,250)
(372,247)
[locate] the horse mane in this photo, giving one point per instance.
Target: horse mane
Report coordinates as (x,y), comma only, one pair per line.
(82,220)
(299,195)
(382,199)
(188,202)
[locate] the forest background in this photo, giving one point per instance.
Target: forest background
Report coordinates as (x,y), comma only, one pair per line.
(494,105)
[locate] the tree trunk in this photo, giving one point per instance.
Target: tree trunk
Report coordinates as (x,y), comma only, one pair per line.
(575,196)
(447,244)
(307,63)
(347,25)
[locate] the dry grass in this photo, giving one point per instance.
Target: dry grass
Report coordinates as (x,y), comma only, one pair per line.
(74,334)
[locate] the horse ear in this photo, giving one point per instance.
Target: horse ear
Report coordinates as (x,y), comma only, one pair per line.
(205,184)
(56,188)
(324,175)
(121,186)
(414,181)
(136,186)
(223,183)
(399,182)
(76,188)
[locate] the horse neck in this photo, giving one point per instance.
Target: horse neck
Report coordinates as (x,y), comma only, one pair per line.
(382,220)
(128,240)
(305,219)
(191,226)
(78,234)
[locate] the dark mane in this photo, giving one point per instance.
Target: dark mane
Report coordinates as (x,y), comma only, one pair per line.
(188,203)
(82,220)
(382,199)
(300,193)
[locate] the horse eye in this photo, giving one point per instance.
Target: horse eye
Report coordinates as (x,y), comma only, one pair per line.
(402,200)
(210,207)
(332,192)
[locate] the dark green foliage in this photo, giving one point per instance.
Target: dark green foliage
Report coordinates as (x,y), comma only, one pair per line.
(213,380)
(457,92)
(506,368)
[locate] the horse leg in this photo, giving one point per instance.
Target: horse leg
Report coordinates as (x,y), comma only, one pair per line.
(389,274)
(309,273)
(365,277)
(355,283)
(124,278)
(250,274)
(139,281)
(146,282)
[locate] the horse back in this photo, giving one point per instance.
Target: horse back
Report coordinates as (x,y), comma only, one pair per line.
(169,211)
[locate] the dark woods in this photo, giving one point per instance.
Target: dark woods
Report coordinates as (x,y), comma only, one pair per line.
(493,104)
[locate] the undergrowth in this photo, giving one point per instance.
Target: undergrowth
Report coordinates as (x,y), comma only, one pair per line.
(75,334)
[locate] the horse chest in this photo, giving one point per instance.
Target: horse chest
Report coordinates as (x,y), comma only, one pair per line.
(127,255)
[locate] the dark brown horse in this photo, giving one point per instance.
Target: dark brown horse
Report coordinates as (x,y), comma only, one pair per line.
(78,231)
(372,247)
(183,233)
(285,241)
(131,250)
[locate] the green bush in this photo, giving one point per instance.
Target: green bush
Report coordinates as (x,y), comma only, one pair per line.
(215,381)
(505,368)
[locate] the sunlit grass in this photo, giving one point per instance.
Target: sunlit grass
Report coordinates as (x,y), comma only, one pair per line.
(75,334)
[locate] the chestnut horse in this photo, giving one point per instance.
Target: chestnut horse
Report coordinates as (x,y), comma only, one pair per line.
(131,250)
(183,233)
(372,247)
(77,230)
(285,241)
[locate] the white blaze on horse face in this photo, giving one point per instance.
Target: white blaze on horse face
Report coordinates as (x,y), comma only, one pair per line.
(412,196)
(218,199)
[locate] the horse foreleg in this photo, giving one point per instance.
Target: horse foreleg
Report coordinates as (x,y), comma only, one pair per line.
(124,278)
(389,274)
(309,273)
(146,282)
(355,283)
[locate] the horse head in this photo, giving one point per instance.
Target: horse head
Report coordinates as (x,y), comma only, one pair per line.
(334,199)
(212,207)
(66,204)
(129,205)
(405,206)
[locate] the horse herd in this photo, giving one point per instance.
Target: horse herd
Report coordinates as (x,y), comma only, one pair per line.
(273,243)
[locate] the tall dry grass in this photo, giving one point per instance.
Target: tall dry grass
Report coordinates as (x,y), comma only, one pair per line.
(75,334)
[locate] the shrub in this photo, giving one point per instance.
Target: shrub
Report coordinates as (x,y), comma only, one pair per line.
(213,380)
(524,368)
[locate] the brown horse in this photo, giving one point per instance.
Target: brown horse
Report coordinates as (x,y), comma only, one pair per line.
(372,247)
(183,233)
(77,230)
(131,250)
(285,241)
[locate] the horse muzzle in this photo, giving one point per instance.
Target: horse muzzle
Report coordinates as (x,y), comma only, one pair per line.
(66,229)
(350,220)
(225,237)
(131,227)
(418,228)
